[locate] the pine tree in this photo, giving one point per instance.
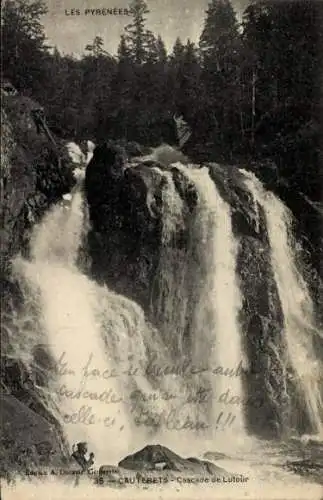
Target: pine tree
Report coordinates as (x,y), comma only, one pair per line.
(123,50)
(161,50)
(190,79)
(24,52)
(220,35)
(183,78)
(177,54)
(98,69)
(138,38)
(95,49)
(220,47)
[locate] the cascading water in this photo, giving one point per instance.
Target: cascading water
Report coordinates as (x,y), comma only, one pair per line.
(104,350)
(70,318)
(170,303)
(219,301)
(203,278)
(297,306)
(118,382)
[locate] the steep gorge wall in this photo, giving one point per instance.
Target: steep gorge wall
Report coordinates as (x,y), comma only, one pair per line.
(32,178)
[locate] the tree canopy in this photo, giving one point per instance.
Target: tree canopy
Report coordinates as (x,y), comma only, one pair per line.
(248,92)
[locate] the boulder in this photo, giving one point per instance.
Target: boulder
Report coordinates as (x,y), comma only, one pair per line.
(157,457)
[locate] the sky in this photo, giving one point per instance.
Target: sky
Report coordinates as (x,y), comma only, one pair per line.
(70,33)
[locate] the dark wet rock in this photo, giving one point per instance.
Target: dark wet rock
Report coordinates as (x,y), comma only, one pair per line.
(157,457)
(261,315)
(268,376)
(185,188)
(32,177)
(307,212)
(43,364)
(14,374)
(28,440)
(125,230)
(19,381)
(262,322)
(247,216)
(267,171)
(125,205)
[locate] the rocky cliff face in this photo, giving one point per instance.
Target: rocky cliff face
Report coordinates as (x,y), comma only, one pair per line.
(34,175)
(126,245)
(125,210)
(261,314)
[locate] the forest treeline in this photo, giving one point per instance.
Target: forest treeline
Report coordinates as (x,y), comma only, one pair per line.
(248,90)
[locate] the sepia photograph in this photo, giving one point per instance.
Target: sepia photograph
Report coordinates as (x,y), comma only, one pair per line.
(161,249)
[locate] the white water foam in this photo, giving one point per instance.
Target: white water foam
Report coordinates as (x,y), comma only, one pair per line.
(297,306)
(199,292)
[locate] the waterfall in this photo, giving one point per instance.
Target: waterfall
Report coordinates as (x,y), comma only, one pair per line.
(169,303)
(104,349)
(219,296)
(201,284)
(70,317)
(120,382)
(94,335)
(297,306)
